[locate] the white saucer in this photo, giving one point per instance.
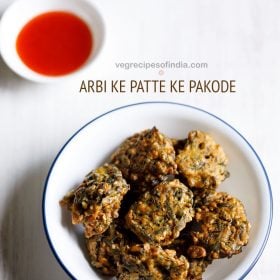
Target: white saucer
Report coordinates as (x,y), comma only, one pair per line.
(21,11)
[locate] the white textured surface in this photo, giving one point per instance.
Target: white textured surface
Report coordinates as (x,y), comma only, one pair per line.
(239,40)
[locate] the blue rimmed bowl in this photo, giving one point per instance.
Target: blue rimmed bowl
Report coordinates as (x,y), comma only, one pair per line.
(91,145)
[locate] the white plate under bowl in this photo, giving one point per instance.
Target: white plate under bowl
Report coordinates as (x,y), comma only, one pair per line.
(93,143)
(22,11)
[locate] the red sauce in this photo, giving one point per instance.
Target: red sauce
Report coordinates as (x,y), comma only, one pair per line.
(55,43)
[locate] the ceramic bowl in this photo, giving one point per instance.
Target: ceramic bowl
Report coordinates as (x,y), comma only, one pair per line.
(91,145)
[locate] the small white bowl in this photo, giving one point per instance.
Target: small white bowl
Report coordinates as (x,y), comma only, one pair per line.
(89,147)
(22,11)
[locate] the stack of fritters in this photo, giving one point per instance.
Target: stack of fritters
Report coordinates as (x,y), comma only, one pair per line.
(153,212)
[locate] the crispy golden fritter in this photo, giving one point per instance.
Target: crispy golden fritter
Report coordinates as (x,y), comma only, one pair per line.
(146,158)
(202,163)
(161,213)
(146,261)
(196,255)
(220,226)
(196,269)
(97,200)
(105,250)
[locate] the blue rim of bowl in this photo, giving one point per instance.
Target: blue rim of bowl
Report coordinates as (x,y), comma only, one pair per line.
(147,103)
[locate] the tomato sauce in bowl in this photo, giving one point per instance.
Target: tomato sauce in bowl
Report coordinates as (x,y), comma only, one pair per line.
(55,43)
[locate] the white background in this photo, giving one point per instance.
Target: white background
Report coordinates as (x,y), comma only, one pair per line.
(238,39)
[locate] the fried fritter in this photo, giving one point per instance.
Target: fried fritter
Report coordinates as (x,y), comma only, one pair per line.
(105,250)
(97,200)
(145,261)
(202,163)
(146,158)
(220,226)
(183,245)
(196,269)
(161,213)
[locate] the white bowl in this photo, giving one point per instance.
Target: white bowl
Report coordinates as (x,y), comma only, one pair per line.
(90,146)
(21,11)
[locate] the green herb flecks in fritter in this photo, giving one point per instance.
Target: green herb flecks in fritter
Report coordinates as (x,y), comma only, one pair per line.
(202,163)
(221,226)
(146,261)
(146,159)
(97,200)
(161,213)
